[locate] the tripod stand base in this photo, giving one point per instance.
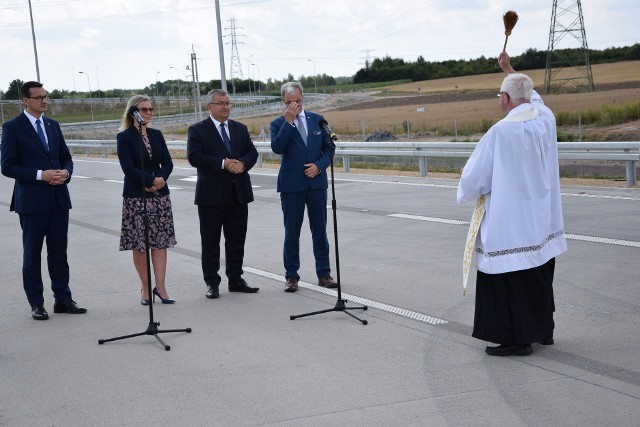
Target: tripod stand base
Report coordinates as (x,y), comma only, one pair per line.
(152,329)
(340,306)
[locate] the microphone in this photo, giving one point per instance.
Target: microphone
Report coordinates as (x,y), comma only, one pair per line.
(136,115)
(325,125)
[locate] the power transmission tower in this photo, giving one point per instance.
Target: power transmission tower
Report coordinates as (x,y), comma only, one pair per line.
(367,58)
(566,65)
(236,66)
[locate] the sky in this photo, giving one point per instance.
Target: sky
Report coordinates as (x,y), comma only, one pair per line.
(131,44)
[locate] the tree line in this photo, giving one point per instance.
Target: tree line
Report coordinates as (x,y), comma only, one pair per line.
(384,69)
(175,88)
(388,68)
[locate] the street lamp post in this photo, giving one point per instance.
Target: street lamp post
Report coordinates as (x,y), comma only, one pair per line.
(33,35)
(73,74)
(315,76)
(254,80)
(90,101)
(249,73)
(157,99)
(179,98)
(98,81)
(259,82)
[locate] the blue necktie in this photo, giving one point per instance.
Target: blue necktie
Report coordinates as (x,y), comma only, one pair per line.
(41,135)
(225,137)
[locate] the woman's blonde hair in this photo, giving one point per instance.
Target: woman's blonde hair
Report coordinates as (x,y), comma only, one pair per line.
(127,120)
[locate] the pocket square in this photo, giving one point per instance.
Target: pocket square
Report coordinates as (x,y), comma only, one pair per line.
(317,132)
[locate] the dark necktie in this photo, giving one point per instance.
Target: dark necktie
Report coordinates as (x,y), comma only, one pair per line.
(300,126)
(41,135)
(225,137)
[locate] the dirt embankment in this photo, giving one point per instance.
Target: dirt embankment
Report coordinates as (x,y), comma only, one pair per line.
(444,97)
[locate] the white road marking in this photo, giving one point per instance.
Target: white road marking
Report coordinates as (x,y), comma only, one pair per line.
(570,236)
(430,219)
(421,317)
(597,196)
(605,240)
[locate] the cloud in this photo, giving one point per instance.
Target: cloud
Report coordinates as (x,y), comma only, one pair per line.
(125,44)
(91,37)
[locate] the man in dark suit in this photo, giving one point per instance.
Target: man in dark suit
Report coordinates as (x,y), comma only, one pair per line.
(302,181)
(34,153)
(223,153)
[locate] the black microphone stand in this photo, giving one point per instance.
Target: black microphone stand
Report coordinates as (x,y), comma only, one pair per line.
(152,328)
(341,303)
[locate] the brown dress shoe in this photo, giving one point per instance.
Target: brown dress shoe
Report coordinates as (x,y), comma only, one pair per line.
(291,285)
(327,282)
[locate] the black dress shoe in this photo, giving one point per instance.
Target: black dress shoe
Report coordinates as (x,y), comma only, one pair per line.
(69,307)
(509,350)
(39,313)
(291,285)
(241,286)
(547,341)
(212,292)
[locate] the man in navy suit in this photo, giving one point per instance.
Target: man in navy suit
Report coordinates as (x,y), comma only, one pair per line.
(34,153)
(222,151)
(302,181)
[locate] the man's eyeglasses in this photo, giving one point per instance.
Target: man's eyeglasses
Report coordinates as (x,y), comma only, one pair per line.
(222,104)
(500,93)
(299,101)
(39,98)
(147,110)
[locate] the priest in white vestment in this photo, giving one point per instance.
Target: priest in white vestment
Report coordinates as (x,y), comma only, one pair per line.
(515,168)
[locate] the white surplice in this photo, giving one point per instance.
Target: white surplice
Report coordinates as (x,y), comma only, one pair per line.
(515,165)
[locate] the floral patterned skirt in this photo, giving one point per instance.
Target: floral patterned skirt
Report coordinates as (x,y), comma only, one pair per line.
(161,231)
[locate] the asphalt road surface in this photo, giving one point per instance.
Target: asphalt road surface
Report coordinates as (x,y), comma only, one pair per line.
(246,363)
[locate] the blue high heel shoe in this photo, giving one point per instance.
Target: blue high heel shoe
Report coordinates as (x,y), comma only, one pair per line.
(164,300)
(142,300)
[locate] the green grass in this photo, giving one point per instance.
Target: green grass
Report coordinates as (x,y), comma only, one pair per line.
(564,174)
(606,115)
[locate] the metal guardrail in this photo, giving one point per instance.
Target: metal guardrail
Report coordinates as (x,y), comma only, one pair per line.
(607,151)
